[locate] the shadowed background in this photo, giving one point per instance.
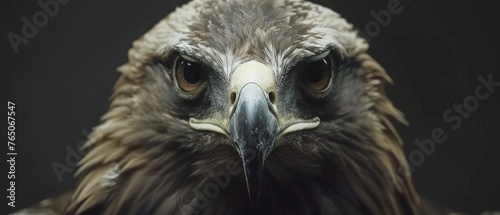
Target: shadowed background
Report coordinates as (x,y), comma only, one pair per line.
(434,50)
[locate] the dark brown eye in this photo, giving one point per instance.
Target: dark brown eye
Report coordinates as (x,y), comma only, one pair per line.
(190,75)
(318,74)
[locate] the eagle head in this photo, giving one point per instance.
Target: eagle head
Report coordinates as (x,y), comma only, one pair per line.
(247,107)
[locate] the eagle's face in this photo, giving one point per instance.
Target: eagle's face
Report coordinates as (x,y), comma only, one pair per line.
(282,88)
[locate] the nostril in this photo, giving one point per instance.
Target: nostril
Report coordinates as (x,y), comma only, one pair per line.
(272,97)
(232,98)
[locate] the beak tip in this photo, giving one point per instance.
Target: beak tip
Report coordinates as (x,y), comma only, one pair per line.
(253,185)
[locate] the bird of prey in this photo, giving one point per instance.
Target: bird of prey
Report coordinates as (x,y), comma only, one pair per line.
(246,107)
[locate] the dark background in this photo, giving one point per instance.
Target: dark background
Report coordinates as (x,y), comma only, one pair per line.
(434,51)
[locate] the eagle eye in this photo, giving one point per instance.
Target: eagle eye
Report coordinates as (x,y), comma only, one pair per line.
(317,74)
(190,75)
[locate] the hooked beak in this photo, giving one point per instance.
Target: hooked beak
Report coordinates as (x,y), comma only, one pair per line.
(253,128)
(253,123)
